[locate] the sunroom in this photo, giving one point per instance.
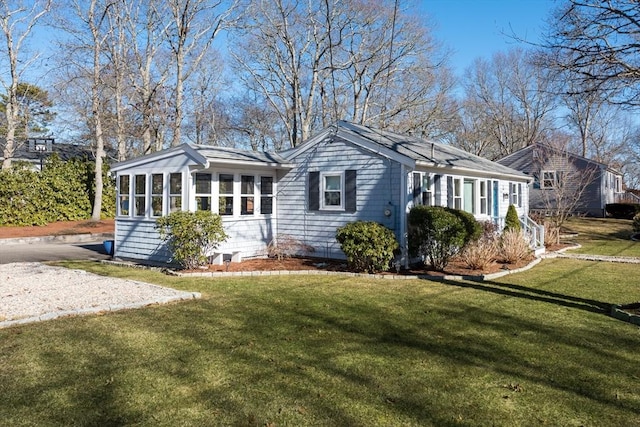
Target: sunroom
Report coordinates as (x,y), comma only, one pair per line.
(239,186)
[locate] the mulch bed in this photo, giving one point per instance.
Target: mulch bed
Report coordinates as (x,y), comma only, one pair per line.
(455,267)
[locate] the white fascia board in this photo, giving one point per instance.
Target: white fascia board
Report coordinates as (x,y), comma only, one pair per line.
(453,170)
(196,158)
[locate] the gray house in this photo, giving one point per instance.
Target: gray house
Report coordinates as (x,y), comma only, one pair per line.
(563,180)
(345,173)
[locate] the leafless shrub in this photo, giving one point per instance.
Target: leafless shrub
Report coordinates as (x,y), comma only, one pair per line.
(513,247)
(479,254)
(285,246)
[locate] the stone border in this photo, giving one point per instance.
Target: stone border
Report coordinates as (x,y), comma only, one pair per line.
(477,278)
(618,313)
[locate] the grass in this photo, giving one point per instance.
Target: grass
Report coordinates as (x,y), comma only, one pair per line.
(530,348)
(603,236)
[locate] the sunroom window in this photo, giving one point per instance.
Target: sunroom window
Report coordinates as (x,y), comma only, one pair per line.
(225,201)
(157,189)
(246,194)
(203,191)
(140,195)
(124,188)
(175,192)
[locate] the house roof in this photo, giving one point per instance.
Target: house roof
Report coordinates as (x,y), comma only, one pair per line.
(410,150)
(204,155)
(64,151)
(519,160)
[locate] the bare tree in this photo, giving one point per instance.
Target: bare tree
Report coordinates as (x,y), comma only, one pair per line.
(597,43)
(194,25)
(511,99)
(17,20)
(564,183)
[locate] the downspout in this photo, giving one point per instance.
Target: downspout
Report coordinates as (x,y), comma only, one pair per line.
(404,243)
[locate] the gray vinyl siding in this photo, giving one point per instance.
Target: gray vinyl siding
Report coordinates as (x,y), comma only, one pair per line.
(378,188)
(139,240)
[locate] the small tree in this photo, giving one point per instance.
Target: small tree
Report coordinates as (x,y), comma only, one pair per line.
(436,234)
(636,223)
(511,221)
(191,235)
(369,246)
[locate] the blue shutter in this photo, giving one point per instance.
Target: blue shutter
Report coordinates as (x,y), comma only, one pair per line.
(350,201)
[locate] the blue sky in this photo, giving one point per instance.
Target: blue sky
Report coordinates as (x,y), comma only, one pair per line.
(473,28)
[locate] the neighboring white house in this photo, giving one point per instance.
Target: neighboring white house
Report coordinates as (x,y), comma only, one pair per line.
(345,173)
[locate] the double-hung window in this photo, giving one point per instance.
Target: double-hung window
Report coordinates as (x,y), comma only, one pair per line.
(266,195)
(332,191)
(225,200)
(123,195)
(457,193)
(247,188)
(515,191)
(140,195)
(484,205)
(203,191)
(157,190)
(548,179)
(175,192)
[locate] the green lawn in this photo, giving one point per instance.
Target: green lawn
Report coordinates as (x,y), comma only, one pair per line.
(603,236)
(535,348)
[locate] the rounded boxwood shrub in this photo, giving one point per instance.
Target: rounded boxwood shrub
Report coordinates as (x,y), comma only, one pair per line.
(191,235)
(511,221)
(471,225)
(436,234)
(369,246)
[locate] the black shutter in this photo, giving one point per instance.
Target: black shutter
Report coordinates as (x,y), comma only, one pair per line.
(438,190)
(350,201)
(450,191)
(417,187)
(314,191)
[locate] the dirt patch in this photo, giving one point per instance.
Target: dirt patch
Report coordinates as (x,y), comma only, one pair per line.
(455,267)
(58,229)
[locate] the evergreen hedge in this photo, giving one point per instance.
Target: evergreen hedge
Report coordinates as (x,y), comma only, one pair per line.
(62,191)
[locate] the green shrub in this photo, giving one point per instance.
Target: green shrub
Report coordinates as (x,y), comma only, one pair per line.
(472,227)
(191,235)
(512,222)
(369,246)
(436,234)
(622,210)
(636,223)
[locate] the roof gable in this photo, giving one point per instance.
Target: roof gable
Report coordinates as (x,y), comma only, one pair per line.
(407,150)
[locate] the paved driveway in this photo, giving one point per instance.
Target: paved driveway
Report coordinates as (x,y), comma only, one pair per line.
(40,251)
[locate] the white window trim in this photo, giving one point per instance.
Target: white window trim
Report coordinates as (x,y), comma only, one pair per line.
(161,194)
(554,179)
(483,183)
(325,207)
(458,183)
(127,195)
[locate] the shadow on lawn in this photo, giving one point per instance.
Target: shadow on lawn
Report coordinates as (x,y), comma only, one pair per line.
(525,292)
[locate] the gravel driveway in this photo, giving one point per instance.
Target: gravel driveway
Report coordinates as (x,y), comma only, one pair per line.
(31,292)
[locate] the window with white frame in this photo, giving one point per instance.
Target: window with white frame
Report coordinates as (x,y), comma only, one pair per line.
(124,187)
(203,191)
(247,189)
(457,193)
(175,192)
(332,191)
(618,188)
(548,179)
(157,190)
(484,199)
(225,190)
(266,195)
(140,195)
(515,192)
(427,190)
(469,195)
